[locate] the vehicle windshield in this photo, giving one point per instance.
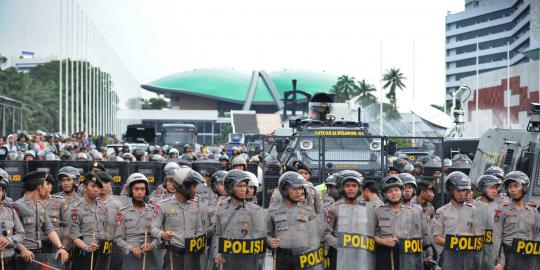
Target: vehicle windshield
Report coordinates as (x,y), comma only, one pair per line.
(178,136)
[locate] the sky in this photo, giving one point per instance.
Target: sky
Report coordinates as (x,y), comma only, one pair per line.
(153,39)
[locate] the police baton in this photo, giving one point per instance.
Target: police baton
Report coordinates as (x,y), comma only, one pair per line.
(2,257)
(171,266)
(40,263)
(92,255)
(274,251)
(144,257)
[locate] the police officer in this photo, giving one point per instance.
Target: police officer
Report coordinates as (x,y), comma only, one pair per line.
(253,184)
(88,218)
(11,227)
(424,197)
(401,234)
(458,222)
(97,167)
(133,227)
(204,190)
(313,197)
(349,218)
(488,186)
(178,220)
(239,163)
(36,222)
(218,187)
(409,187)
(332,194)
(4,176)
(370,194)
(68,180)
(56,209)
(167,189)
(291,225)
(516,222)
(111,258)
(496,171)
(238,221)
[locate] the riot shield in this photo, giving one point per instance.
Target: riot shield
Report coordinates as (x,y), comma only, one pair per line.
(409,231)
(356,245)
(303,238)
(16,170)
(463,251)
(522,254)
(243,241)
(118,171)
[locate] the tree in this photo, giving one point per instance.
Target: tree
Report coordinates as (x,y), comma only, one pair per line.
(154,104)
(365,96)
(344,89)
(393,79)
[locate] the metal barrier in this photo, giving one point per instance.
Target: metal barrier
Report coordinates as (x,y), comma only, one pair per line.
(118,170)
(428,151)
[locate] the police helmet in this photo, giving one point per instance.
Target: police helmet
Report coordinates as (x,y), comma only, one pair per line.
(332,179)
(218,176)
(234,177)
(447,162)
(349,175)
(495,171)
(70,172)
(4,179)
(290,180)
(391,182)
(253,180)
(174,151)
(136,178)
(519,177)
(238,161)
(487,180)
(407,179)
(184,178)
(408,167)
(459,180)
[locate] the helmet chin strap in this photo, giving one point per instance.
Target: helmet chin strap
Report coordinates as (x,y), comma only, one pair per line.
(137,202)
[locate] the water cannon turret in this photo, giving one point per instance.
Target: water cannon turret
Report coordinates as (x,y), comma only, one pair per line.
(320,106)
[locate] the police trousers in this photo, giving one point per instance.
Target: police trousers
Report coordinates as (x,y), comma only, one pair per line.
(385,257)
(130,262)
(285,259)
(176,257)
(82,260)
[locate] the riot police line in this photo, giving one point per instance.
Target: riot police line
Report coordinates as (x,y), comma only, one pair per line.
(207,221)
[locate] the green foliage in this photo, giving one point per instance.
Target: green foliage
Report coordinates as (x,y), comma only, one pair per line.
(393,79)
(223,136)
(344,89)
(154,103)
(38,90)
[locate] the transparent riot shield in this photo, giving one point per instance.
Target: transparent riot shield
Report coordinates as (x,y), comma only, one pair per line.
(303,238)
(409,229)
(356,245)
(523,254)
(462,252)
(242,243)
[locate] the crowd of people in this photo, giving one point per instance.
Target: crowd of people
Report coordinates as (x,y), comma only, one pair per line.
(210,219)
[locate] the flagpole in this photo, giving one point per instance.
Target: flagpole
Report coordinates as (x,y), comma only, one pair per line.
(413,97)
(508,94)
(381,93)
(60,85)
(477,94)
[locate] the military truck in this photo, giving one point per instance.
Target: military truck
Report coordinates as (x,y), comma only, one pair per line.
(511,150)
(329,140)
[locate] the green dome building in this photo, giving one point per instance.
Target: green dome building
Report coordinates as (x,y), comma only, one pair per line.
(229,89)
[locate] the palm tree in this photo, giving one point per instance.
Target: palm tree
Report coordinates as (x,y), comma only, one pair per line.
(345,88)
(365,96)
(394,79)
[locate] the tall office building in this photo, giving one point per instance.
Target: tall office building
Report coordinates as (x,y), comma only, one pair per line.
(490,25)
